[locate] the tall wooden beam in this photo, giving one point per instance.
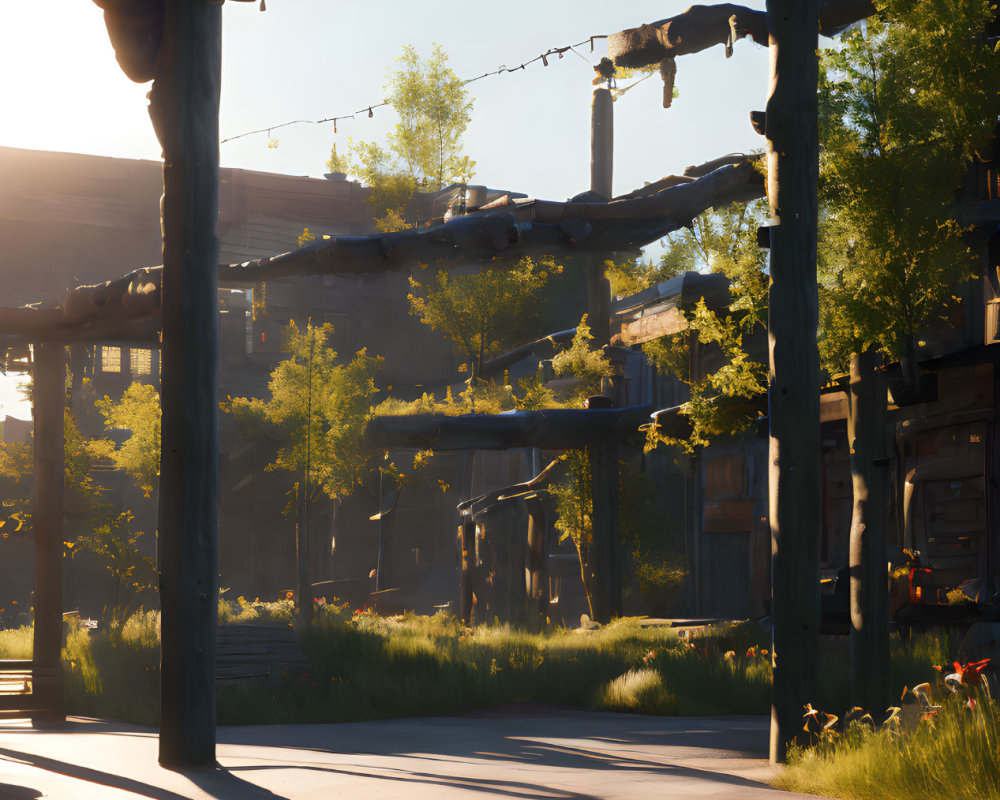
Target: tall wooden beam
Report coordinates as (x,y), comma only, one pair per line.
(602,146)
(467,541)
(536,579)
(793,392)
(607,557)
(184,107)
(867,440)
(49,394)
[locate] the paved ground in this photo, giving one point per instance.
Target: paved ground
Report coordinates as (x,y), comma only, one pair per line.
(524,753)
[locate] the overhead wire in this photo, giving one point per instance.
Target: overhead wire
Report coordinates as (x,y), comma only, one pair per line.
(369,109)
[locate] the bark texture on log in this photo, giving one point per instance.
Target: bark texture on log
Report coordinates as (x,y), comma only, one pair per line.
(557,429)
(536,573)
(184,107)
(515,229)
(49,397)
(867,441)
(606,548)
(128,308)
(136,31)
(467,541)
(793,393)
(701,27)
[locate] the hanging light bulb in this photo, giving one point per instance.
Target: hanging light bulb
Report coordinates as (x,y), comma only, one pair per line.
(370,114)
(335,126)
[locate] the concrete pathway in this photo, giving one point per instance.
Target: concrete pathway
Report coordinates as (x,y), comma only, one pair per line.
(520,752)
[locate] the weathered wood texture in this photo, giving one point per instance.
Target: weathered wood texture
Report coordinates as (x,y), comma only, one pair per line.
(557,429)
(606,548)
(136,31)
(49,394)
(703,26)
(793,392)
(536,576)
(261,652)
(602,154)
(184,108)
(868,444)
(128,308)
(467,543)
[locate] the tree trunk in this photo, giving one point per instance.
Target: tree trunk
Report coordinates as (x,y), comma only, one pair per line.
(49,395)
(184,107)
(303,587)
(866,436)
(793,392)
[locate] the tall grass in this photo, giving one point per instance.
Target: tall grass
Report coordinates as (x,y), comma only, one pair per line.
(953,758)
(17,642)
(115,672)
(374,667)
(363,666)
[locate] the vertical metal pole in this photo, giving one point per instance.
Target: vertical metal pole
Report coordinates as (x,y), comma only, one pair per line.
(48,399)
(184,107)
(793,394)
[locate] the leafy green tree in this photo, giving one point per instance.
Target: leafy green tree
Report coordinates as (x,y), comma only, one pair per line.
(319,409)
(138,412)
(485,313)
(318,412)
(722,402)
(903,108)
(424,151)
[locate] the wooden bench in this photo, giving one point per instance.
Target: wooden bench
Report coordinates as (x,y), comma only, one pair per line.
(257,652)
(17,681)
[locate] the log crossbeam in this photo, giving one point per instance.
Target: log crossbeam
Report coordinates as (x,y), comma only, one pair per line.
(128,308)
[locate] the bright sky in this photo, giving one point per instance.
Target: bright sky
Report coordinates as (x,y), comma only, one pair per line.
(309,59)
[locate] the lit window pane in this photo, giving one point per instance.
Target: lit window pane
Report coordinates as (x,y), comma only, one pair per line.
(111,359)
(142,361)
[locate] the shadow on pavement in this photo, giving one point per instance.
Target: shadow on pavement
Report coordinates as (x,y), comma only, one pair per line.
(219,783)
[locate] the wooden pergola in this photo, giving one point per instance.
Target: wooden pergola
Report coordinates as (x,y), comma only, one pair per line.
(176,44)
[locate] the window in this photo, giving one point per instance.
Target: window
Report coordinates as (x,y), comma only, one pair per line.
(142,361)
(111,359)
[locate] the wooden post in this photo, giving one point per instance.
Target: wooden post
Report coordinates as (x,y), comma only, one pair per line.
(467,539)
(793,393)
(303,586)
(49,394)
(866,437)
(184,107)
(537,580)
(602,142)
(606,552)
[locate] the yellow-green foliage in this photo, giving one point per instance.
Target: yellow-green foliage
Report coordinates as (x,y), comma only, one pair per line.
(637,690)
(16,643)
(588,366)
(256,612)
(138,412)
(484,313)
(320,407)
(951,757)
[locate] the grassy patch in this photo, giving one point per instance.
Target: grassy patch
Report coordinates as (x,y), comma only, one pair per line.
(363,666)
(953,758)
(17,642)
